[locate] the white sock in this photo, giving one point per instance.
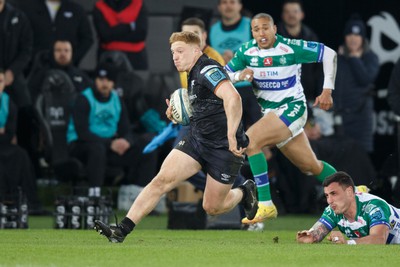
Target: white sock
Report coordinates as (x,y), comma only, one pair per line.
(266,203)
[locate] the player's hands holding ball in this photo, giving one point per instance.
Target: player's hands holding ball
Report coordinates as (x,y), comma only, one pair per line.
(168,112)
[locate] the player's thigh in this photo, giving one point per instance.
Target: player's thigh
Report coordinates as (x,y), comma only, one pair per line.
(215,192)
(298,150)
(267,131)
(177,167)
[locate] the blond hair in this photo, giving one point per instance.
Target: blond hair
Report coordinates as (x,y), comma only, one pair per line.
(186,37)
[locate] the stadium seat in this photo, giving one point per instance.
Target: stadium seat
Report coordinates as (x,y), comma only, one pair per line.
(53,106)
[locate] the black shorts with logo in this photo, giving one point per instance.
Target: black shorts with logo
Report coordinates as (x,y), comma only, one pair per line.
(220,163)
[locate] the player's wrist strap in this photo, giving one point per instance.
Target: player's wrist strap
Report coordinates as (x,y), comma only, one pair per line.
(236,76)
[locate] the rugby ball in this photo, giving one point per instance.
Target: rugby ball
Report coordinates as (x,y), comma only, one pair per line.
(181,108)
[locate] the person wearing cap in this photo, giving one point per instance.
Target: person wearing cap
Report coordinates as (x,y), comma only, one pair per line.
(99,134)
(357,69)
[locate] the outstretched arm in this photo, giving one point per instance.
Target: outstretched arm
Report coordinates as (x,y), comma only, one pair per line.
(325,100)
(315,235)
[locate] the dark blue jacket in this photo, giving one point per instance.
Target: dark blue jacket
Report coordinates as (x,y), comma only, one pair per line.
(353,96)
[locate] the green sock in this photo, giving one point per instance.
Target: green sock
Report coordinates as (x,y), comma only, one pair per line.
(326,171)
(259,168)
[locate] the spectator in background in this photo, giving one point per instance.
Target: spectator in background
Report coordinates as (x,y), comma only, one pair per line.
(15,52)
(226,36)
(357,69)
(99,134)
(292,27)
(60,58)
(16,41)
(59,20)
(15,167)
(229,33)
(197,26)
(122,25)
(394,89)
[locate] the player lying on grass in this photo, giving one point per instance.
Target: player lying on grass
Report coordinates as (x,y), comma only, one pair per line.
(215,142)
(362,217)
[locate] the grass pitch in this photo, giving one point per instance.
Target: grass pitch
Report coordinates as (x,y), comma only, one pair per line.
(152,245)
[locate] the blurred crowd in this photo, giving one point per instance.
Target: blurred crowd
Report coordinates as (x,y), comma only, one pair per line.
(89,127)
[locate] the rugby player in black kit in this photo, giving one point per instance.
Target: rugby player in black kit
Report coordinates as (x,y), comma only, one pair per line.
(215,143)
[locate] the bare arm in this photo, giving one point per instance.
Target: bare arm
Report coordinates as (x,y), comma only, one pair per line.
(377,235)
(315,235)
(233,110)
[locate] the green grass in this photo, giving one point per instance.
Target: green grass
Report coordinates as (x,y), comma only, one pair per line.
(152,245)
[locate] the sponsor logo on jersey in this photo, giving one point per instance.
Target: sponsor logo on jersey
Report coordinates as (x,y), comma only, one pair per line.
(252,50)
(254,61)
(294,42)
(368,208)
(376,214)
(203,70)
(311,46)
(214,76)
(357,233)
(284,49)
(275,85)
(268,61)
(192,97)
(263,74)
(282,60)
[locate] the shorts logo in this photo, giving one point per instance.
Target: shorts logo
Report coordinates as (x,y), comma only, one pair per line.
(181,143)
(267,61)
(225,177)
(295,110)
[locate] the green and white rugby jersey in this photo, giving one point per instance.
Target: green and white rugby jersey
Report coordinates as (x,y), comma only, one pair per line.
(371,211)
(277,70)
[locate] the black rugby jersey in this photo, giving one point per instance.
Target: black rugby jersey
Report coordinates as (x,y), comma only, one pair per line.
(208,122)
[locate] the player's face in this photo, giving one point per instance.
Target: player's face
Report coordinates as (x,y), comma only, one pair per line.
(183,55)
(263,31)
(229,9)
(339,199)
(104,86)
(2,81)
(353,42)
(292,14)
(197,30)
(63,53)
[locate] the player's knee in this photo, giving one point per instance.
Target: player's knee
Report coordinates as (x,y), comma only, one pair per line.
(309,168)
(210,208)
